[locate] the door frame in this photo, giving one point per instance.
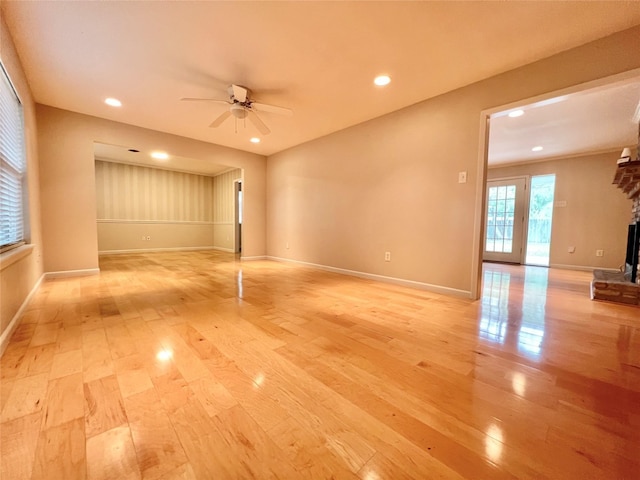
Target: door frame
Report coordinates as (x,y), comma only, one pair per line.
(237,228)
(477,247)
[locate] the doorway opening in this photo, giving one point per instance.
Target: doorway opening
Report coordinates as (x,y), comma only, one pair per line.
(540,219)
(238,215)
(572,112)
(519,219)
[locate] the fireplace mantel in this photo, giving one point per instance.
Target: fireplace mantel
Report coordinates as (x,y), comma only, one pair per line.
(628,179)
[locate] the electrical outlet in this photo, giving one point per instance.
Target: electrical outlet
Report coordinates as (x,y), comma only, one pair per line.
(287,246)
(387,256)
(572,250)
(143,237)
(599,253)
(462,177)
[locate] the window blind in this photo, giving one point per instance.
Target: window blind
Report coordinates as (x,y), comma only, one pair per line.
(12,165)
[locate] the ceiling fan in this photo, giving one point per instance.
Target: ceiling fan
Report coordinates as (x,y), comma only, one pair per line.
(241,106)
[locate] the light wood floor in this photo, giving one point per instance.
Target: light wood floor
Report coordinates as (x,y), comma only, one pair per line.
(195,365)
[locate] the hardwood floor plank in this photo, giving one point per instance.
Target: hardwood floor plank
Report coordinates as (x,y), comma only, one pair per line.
(5,390)
(381,467)
(64,401)
(212,395)
(12,361)
(27,396)
(103,406)
(24,332)
(250,451)
(173,390)
(308,451)
(96,356)
(61,452)
(66,363)
(183,472)
(18,440)
(36,360)
(120,342)
(111,455)
(134,381)
(45,333)
(196,433)
(158,449)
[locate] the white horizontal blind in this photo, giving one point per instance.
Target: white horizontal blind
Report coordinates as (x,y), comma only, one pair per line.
(12,165)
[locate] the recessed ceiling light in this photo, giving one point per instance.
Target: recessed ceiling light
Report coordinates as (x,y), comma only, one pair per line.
(536,149)
(516,113)
(382,80)
(113,102)
(160,155)
(255,140)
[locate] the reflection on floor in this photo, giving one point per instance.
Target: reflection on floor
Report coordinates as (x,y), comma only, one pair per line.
(519,321)
(196,365)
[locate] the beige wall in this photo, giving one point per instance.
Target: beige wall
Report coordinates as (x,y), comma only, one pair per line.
(390,184)
(68,190)
(596,215)
(20,271)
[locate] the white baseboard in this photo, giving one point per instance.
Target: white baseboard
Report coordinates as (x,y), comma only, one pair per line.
(581,268)
(13,324)
(222,249)
(153,250)
(257,257)
(72,273)
(380,278)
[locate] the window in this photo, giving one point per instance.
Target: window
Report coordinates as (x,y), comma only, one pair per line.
(12,166)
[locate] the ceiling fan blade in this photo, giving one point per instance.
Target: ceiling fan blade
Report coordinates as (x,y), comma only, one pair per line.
(239,93)
(218,121)
(211,100)
(262,128)
(263,107)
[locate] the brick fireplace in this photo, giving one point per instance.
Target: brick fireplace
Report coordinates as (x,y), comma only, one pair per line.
(624,286)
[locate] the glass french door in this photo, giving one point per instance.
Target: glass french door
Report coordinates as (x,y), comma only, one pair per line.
(504,224)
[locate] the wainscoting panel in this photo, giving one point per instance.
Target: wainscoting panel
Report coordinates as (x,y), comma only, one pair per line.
(223,236)
(116,236)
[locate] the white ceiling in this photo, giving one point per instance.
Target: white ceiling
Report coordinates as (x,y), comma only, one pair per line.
(317,58)
(123,154)
(593,120)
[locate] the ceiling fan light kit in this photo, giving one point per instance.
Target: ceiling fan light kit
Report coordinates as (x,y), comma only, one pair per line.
(241,106)
(239,111)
